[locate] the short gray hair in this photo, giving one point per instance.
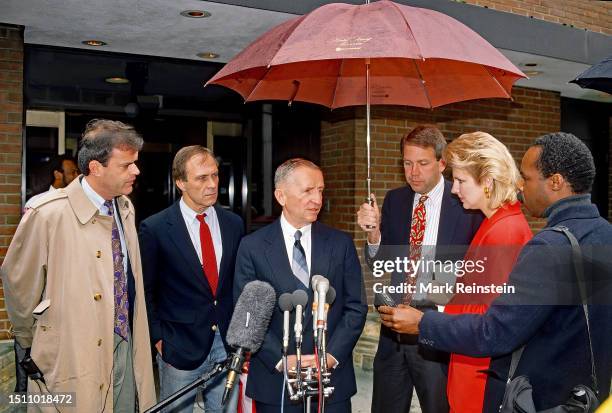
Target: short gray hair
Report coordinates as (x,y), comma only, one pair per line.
(101,136)
(287,167)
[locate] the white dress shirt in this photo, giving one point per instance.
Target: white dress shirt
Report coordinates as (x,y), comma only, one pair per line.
(289,237)
(193,227)
(38,196)
(98,201)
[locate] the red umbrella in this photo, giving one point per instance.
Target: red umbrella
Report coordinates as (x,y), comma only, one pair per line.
(403,55)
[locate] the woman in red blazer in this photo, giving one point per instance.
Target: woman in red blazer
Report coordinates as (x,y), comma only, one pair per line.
(485,177)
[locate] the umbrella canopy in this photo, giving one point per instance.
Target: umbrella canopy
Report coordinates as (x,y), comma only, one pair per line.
(417,57)
(598,77)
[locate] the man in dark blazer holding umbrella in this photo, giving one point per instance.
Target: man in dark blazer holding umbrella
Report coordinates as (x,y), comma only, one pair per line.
(188,256)
(286,254)
(424,206)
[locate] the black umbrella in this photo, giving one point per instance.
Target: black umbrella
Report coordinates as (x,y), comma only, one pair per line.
(598,76)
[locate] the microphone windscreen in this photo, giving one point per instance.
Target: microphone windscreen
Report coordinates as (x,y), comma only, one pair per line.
(285,302)
(331,295)
(315,280)
(252,315)
(300,298)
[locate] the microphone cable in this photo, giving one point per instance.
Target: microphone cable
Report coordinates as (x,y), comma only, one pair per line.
(319,378)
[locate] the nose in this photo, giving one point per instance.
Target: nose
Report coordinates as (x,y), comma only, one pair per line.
(455,188)
(134,169)
(415,170)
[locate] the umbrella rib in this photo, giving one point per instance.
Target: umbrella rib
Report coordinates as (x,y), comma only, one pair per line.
(497,81)
(337,81)
(258,83)
(409,29)
(422,81)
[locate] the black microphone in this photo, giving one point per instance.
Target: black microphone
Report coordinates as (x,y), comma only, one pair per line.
(248,326)
(285,302)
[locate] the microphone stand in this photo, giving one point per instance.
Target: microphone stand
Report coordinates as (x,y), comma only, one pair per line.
(219,368)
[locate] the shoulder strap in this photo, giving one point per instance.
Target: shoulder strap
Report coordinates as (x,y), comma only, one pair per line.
(578,266)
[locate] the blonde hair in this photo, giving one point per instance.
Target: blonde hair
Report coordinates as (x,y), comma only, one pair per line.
(483,156)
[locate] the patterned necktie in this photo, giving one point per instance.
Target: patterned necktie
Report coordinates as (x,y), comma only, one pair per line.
(122,326)
(209,259)
(298,263)
(417,233)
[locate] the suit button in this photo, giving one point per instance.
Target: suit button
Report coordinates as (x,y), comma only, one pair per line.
(99,342)
(43,328)
(93,221)
(101,386)
(97,296)
(215,302)
(98,254)
(214,327)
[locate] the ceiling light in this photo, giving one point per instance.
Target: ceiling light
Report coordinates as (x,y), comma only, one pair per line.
(532,73)
(94,43)
(195,14)
(208,55)
(530,64)
(117,80)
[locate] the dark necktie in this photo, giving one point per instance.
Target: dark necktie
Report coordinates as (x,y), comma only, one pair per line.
(209,259)
(299,264)
(122,326)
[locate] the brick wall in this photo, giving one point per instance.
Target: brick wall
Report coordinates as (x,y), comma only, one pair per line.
(591,15)
(11,116)
(516,123)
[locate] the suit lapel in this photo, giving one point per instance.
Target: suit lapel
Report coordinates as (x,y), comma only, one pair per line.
(404,220)
(177,232)
(449,216)
(226,243)
(278,261)
(320,259)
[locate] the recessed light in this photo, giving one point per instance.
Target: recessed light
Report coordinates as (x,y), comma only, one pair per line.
(208,55)
(532,73)
(530,64)
(195,14)
(117,80)
(94,43)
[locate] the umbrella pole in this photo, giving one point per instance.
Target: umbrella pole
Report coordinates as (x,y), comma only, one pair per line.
(369,180)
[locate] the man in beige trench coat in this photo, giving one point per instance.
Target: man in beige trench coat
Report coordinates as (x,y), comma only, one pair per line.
(73,282)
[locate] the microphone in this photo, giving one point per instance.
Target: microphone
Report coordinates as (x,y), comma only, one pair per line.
(329,300)
(314,281)
(285,302)
(320,287)
(299,300)
(248,326)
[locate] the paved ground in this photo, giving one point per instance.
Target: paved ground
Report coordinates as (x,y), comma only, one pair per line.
(362,400)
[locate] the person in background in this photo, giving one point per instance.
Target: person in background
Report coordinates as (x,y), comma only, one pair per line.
(63,171)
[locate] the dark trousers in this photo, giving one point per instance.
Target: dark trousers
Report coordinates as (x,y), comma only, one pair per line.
(400,366)
(338,407)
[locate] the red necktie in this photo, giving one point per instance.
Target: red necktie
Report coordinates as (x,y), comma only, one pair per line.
(209,259)
(417,233)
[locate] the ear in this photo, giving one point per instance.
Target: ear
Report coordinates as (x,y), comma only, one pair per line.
(442,165)
(57,175)
(488,182)
(180,184)
(95,168)
(280,196)
(557,182)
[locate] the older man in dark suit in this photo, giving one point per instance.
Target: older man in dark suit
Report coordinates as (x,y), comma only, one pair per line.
(422,216)
(285,254)
(542,314)
(188,256)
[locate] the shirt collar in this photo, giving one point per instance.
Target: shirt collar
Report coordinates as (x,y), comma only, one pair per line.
(190,214)
(93,196)
(436,192)
(289,230)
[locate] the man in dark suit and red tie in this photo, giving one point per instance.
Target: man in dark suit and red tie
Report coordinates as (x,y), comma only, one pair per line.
(188,257)
(421,220)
